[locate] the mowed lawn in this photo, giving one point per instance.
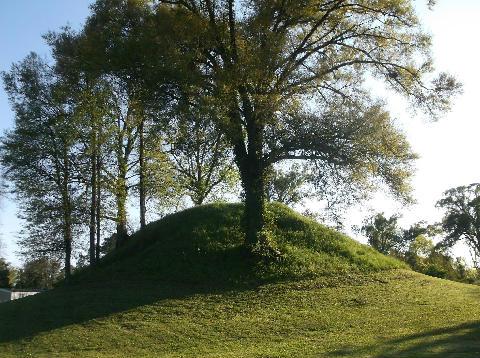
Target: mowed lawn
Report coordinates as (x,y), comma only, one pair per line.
(183,287)
(390,314)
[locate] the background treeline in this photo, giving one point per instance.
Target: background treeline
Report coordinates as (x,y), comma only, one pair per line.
(155,105)
(426,248)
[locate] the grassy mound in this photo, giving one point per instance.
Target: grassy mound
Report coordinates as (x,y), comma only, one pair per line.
(203,245)
(182,288)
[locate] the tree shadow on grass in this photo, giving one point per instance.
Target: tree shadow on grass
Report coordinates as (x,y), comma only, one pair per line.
(68,305)
(458,341)
(110,289)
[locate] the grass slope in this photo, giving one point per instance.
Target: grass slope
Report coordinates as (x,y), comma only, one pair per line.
(183,288)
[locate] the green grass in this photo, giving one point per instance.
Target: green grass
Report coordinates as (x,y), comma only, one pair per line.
(183,288)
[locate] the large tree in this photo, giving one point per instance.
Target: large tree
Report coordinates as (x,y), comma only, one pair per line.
(290,76)
(462,217)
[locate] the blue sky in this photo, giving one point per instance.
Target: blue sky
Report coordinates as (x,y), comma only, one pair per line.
(22,24)
(448,149)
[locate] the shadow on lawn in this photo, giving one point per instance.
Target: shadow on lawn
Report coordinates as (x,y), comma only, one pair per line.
(198,253)
(458,341)
(28,317)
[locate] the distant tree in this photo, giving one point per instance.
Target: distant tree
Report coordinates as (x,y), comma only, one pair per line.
(287,186)
(462,217)
(419,251)
(40,273)
(416,230)
(7,274)
(383,233)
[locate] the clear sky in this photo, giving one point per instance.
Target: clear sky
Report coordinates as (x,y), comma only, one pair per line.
(22,24)
(448,149)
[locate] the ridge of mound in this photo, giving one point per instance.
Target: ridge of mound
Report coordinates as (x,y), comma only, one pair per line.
(205,245)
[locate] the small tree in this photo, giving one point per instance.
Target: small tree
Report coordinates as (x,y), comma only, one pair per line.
(383,233)
(462,217)
(287,186)
(7,274)
(201,157)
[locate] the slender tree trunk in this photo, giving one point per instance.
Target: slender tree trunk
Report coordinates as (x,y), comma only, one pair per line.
(68,246)
(67,216)
(121,199)
(98,207)
(93,203)
(143,207)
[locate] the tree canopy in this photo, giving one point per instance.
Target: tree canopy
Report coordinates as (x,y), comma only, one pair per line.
(155,100)
(290,79)
(462,217)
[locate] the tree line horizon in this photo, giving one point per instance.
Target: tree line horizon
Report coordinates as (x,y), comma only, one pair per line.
(160,100)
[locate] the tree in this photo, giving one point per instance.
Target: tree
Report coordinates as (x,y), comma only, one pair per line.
(41,273)
(287,186)
(116,44)
(290,77)
(462,217)
(200,156)
(383,233)
(40,159)
(7,274)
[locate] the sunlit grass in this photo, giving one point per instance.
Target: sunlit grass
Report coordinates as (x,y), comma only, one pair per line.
(183,288)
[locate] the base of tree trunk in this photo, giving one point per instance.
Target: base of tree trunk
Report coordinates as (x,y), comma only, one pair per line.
(264,249)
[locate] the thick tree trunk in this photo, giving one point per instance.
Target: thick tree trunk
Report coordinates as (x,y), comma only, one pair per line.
(254,216)
(142,194)
(252,172)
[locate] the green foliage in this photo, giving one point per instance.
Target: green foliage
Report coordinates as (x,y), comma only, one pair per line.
(383,233)
(201,158)
(287,186)
(436,271)
(40,273)
(462,217)
(7,274)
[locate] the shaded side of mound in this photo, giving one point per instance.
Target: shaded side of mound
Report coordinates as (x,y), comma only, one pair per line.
(203,245)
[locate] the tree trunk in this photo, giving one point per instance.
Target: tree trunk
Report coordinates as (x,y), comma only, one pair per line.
(143,208)
(67,217)
(252,172)
(68,247)
(93,204)
(98,208)
(254,215)
(121,199)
